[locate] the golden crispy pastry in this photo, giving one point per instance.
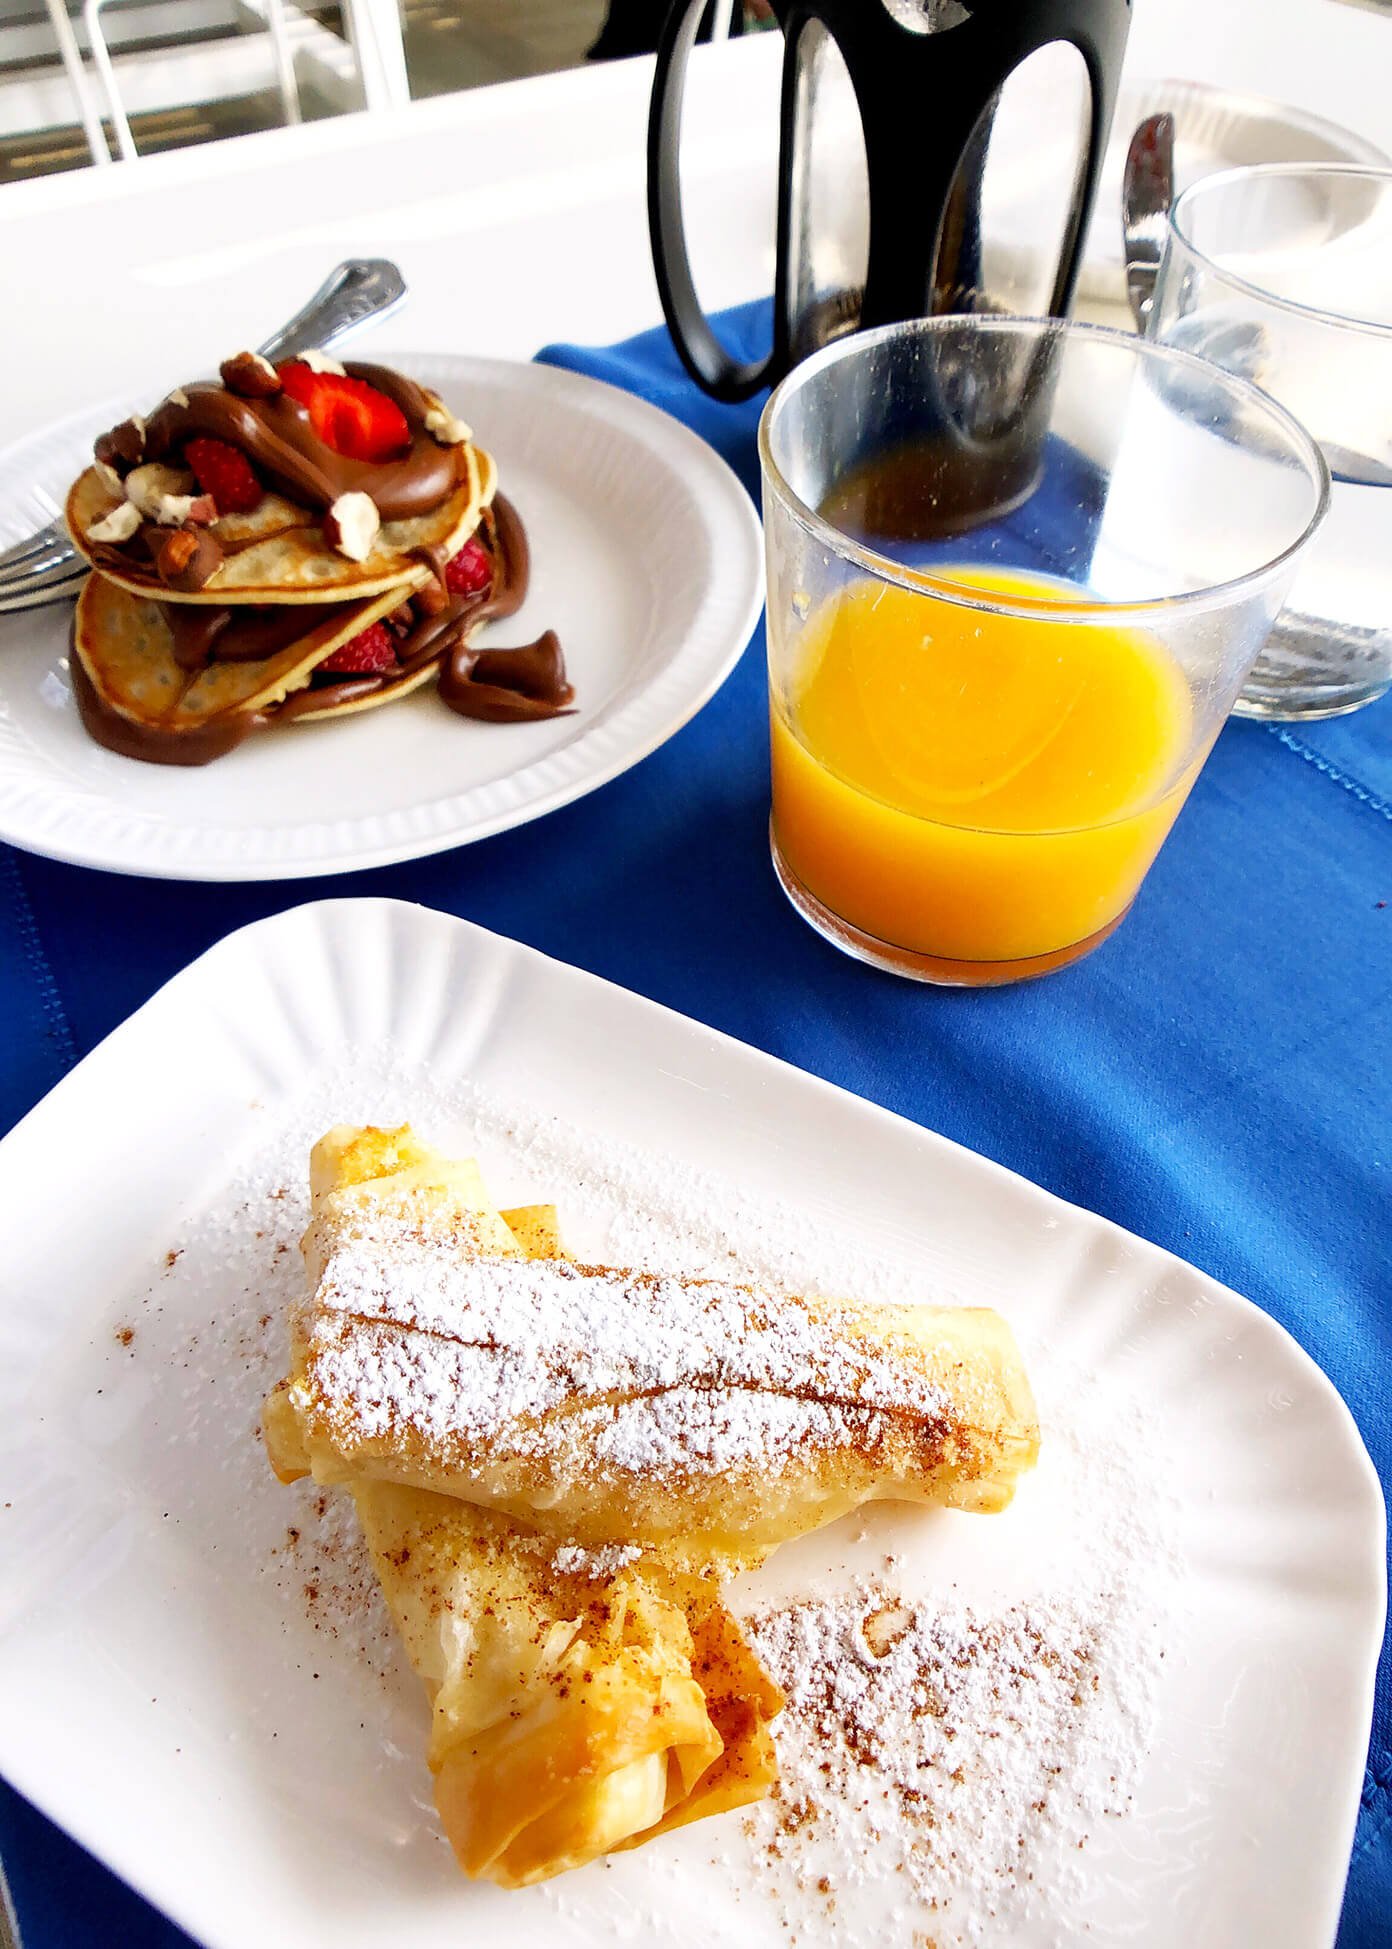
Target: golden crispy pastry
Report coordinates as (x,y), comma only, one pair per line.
(608,1406)
(580,1702)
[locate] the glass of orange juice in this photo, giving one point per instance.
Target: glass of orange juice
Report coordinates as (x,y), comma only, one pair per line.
(1017,572)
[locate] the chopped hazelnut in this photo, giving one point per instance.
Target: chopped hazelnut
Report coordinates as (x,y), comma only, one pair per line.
(124,446)
(351,526)
(441,424)
(117,525)
(249,376)
(188,559)
(163,494)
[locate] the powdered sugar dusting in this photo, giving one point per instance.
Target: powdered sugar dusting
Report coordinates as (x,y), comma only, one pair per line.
(655,1372)
(954,1771)
(605,1560)
(968,1756)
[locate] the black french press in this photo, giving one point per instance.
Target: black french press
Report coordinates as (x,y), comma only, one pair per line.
(896,232)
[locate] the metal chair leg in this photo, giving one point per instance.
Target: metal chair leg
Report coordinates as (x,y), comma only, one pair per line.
(74,68)
(374,26)
(286,79)
(101,59)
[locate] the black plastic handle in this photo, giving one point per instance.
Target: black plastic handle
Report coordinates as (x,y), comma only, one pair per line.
(701,352)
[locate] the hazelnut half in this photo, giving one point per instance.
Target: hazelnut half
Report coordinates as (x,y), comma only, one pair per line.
(249,376)
(188,558)
(351,526)
(118,524)
(124,446)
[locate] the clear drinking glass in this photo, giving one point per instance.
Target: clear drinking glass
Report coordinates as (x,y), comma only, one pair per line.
(1283,272)
(1017,571)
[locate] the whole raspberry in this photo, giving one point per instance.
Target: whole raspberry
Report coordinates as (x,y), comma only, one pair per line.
(471,571)
(371,653)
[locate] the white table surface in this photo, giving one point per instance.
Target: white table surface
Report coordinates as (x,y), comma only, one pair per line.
(516,212)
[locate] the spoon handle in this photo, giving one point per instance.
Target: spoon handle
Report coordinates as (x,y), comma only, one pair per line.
(1147,191)
(361,288)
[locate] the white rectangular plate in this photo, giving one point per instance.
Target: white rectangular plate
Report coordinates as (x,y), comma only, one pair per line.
(188,1688)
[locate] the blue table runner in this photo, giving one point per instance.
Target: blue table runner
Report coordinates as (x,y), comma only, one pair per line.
(1216,1078)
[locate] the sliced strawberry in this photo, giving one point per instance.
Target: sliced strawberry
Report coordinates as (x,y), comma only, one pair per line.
(371,653)
(470,572)
(224,472)
(348,415)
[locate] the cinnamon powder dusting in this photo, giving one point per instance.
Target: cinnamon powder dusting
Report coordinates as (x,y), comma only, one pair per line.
(936,1745)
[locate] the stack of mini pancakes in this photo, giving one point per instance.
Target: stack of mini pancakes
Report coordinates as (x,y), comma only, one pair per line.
(249,536)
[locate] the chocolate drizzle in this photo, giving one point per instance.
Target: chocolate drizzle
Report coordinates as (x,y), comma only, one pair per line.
(204,635)
(277,437)
(153,743)
(328,696)
(508,686)
(497,686)
(142,550)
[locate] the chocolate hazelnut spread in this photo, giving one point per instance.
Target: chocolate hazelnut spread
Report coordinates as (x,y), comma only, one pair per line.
(324,697)
(122,448)
(135,557)
(152,742)
(518,685)
(508,686)
(515,555)
(243,635)
(277,437)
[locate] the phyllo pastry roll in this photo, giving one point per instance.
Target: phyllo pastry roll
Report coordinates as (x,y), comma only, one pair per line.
(580,1702)
(605,1405)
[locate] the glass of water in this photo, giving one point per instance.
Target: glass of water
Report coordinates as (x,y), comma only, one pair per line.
(1282,272)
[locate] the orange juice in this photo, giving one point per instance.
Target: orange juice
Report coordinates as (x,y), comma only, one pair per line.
(983,790)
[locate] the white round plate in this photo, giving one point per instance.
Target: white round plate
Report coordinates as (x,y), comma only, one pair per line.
(646,560)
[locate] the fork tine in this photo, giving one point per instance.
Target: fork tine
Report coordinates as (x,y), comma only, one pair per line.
(21,555)
(64,569)
(38,594)
(59,555)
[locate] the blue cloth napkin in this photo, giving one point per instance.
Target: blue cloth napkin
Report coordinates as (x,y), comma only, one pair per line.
(1216,1078)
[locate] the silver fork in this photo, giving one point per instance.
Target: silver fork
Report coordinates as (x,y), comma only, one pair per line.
(47,568)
